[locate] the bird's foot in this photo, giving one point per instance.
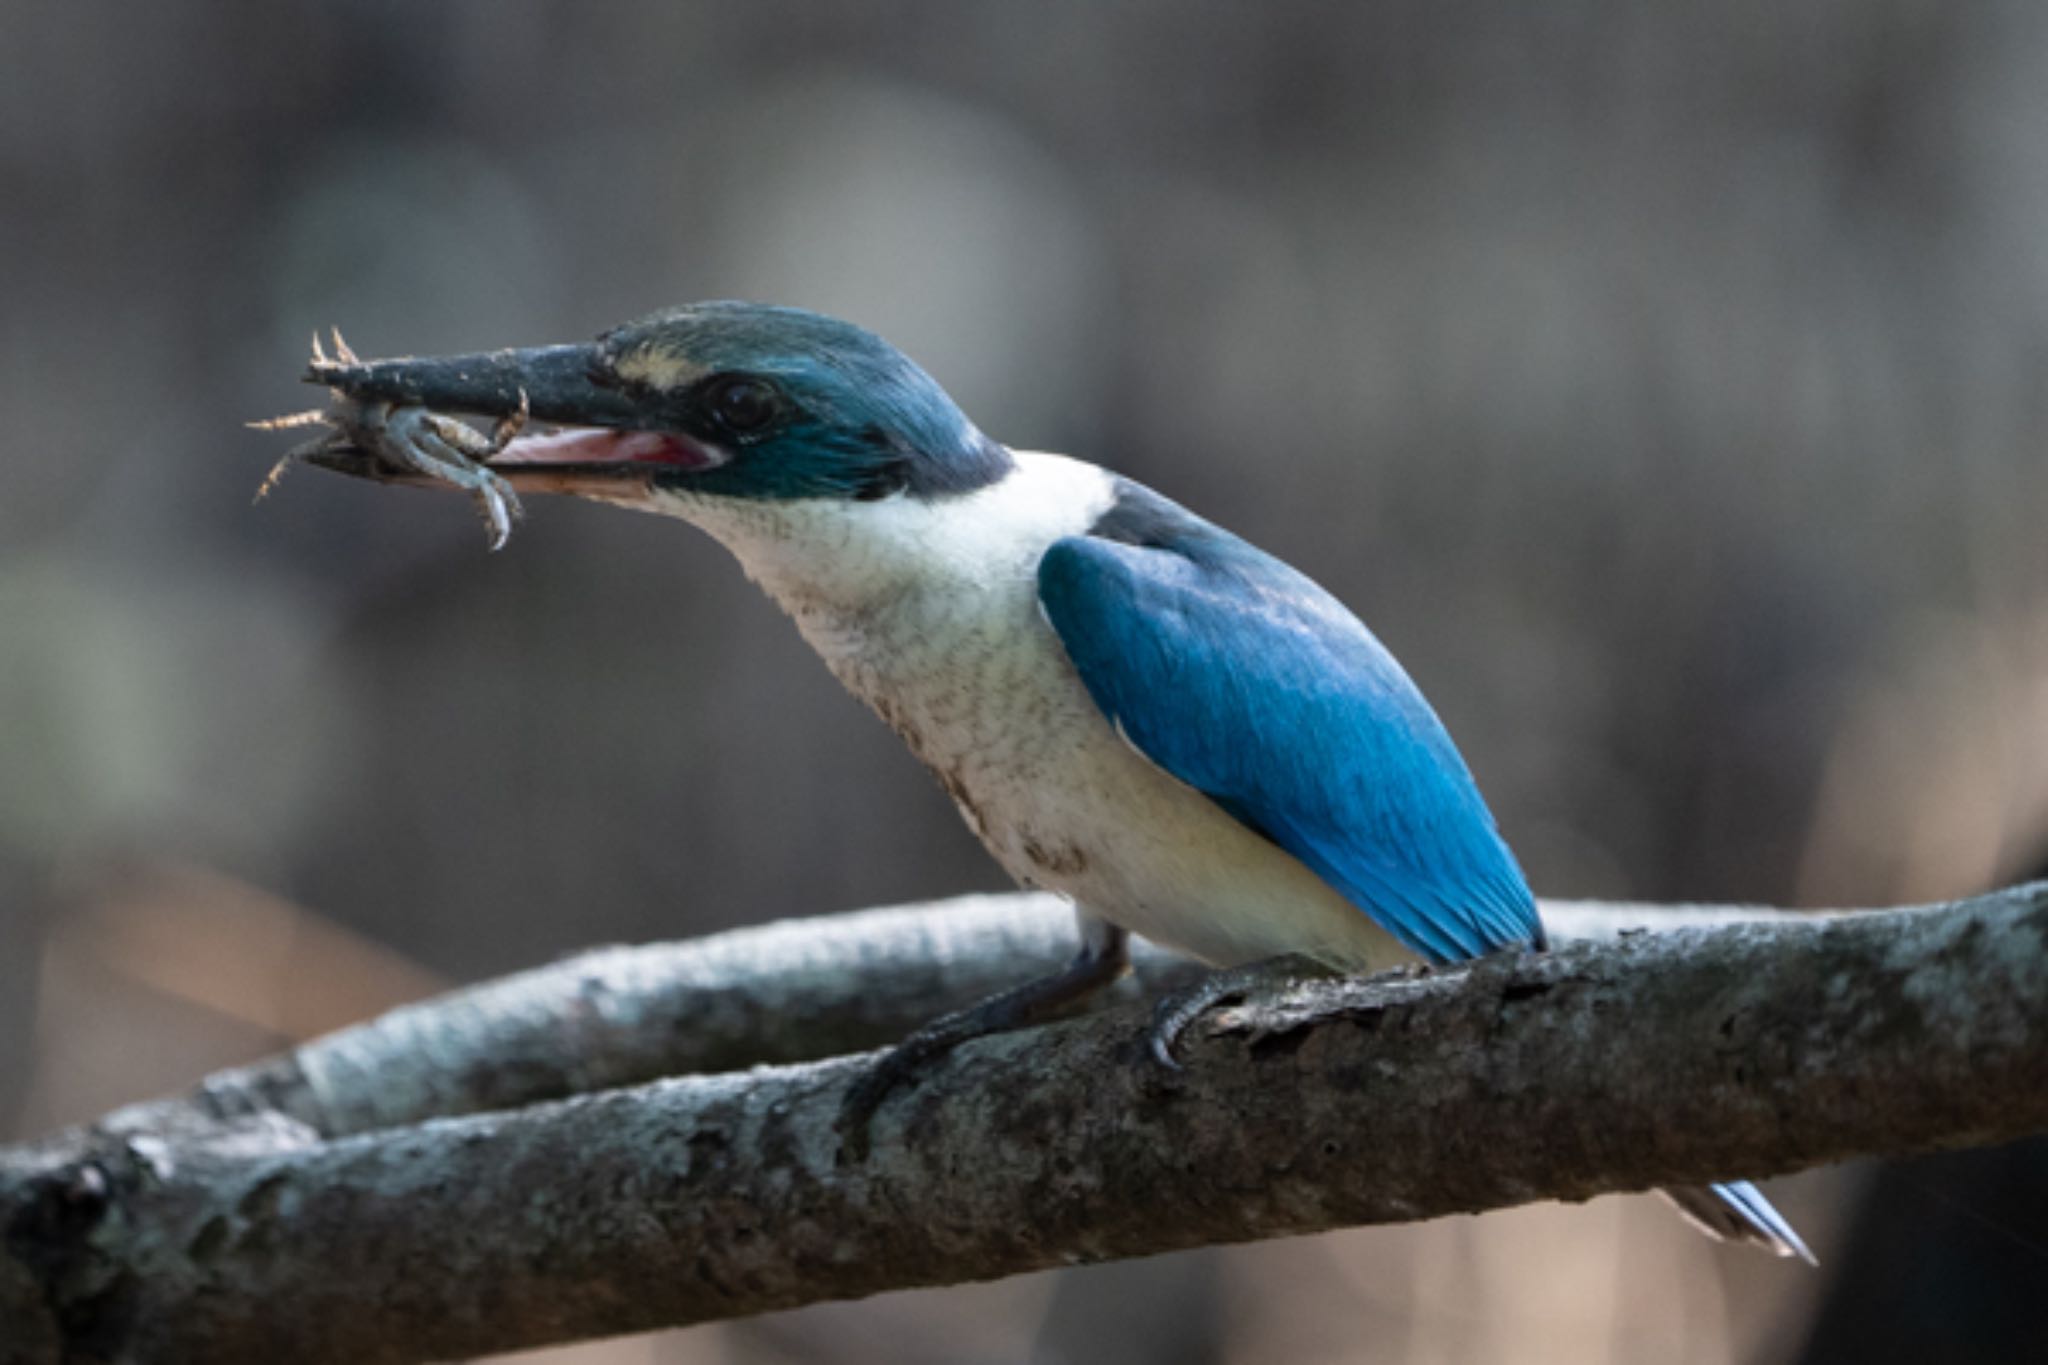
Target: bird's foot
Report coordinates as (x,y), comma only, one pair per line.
(1103,959)
(1174,1013)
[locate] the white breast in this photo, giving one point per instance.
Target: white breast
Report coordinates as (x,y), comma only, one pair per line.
(928,611)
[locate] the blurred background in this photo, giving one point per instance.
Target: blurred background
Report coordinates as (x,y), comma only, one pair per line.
(1663,382)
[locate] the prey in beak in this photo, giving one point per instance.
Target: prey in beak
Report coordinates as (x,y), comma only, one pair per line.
(395,421)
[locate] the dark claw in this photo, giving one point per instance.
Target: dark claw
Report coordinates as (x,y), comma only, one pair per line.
(1175,1013)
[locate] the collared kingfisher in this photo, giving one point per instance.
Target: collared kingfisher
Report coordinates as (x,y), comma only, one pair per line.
(1130,706)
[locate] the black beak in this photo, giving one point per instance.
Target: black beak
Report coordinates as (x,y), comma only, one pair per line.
(565,384)
(612,445)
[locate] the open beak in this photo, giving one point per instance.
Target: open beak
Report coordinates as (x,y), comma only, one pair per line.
(607,445)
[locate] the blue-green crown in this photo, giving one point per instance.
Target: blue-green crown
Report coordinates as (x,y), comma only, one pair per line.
(830,410)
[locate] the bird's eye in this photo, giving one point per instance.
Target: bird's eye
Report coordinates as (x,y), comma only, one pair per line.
(744,406)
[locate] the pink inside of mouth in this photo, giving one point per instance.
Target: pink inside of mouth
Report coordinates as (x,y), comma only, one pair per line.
(601,445)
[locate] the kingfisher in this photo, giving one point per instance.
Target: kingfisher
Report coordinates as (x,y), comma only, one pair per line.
(1130,706)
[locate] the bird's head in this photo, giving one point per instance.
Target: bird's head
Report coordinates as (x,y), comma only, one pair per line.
(724,400)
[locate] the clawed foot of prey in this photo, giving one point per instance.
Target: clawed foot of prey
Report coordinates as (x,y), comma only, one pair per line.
(1175,1013)
(1104,957)
(403,441)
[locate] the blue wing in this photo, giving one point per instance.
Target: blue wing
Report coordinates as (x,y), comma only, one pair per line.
(1245,680)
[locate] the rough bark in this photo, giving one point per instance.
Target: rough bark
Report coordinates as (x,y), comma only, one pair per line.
(300,1218)
(792,991)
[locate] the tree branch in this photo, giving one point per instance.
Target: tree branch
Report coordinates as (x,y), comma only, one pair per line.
(242,1224)
(792,991)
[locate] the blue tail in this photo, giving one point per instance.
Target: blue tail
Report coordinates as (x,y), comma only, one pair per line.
(1734,1211)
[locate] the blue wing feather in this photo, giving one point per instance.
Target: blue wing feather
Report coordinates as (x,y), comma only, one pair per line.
(1245,680)
(1248,682)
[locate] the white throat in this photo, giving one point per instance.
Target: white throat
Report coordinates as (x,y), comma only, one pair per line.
(823,558)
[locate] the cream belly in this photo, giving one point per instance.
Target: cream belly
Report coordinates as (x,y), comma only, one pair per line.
(932,618)
(1064,803)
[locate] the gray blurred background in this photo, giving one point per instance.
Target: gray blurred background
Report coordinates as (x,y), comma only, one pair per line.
(1663,382)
